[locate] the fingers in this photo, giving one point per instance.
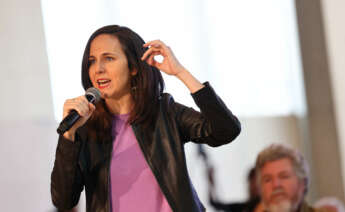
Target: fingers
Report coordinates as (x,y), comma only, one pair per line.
(169,65)
(153,51)
(92,108)
(156,47)
(154,43)
(80,104)
(152,62)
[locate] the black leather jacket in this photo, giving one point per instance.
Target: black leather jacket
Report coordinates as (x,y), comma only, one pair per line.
(86,163)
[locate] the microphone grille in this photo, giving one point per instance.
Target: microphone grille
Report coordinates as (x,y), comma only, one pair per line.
(94,92)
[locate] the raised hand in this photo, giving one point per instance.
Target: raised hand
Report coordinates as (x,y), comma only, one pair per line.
(170,65)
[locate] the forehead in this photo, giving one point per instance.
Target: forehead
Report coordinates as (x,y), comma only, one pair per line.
(277,166)
(105,43)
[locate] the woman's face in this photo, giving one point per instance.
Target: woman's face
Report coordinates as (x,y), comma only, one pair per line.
(108,70)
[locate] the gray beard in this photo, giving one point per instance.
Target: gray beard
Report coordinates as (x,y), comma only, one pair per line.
(284,206)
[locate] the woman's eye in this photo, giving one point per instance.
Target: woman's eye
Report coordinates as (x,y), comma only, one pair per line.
(109,58)
(91,62)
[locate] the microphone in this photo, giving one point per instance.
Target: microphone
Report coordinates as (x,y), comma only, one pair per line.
(92,95)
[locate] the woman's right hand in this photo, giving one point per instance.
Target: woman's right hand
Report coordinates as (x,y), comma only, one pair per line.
(84,109)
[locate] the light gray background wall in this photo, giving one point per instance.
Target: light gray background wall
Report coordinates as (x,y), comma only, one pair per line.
(27,126)
(26,111)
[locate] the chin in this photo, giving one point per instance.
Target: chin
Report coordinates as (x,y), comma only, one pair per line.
(280,206)
(105,94)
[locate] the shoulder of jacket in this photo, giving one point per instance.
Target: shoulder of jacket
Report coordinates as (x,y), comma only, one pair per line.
(169,106)
(166,97)
(166,100)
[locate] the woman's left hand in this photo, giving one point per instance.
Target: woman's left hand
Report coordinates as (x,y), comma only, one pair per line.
(170,65)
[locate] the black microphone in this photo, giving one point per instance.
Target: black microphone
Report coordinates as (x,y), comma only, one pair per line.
(92,95)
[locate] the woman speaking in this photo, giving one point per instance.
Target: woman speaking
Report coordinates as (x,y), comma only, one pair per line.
(127,151)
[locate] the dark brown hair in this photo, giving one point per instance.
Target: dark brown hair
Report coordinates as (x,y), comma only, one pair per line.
(147,85)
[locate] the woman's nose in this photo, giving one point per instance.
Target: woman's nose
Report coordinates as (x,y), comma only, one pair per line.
(100,68)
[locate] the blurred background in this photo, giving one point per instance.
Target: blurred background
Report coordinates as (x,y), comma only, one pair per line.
(278,65)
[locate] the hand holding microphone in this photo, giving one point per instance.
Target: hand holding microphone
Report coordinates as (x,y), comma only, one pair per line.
(77,111)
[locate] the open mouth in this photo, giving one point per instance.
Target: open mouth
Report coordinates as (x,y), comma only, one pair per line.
(102,83)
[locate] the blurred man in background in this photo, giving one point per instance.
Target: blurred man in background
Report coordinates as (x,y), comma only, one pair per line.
(283,178)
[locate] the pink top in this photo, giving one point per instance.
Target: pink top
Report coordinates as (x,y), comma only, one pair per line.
(133,186)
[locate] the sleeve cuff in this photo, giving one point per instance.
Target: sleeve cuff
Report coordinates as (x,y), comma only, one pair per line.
(67,148)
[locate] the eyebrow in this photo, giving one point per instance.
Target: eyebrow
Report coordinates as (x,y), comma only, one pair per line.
(104,54)
(108,53)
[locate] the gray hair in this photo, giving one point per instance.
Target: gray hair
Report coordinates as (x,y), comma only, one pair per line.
(278,151)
